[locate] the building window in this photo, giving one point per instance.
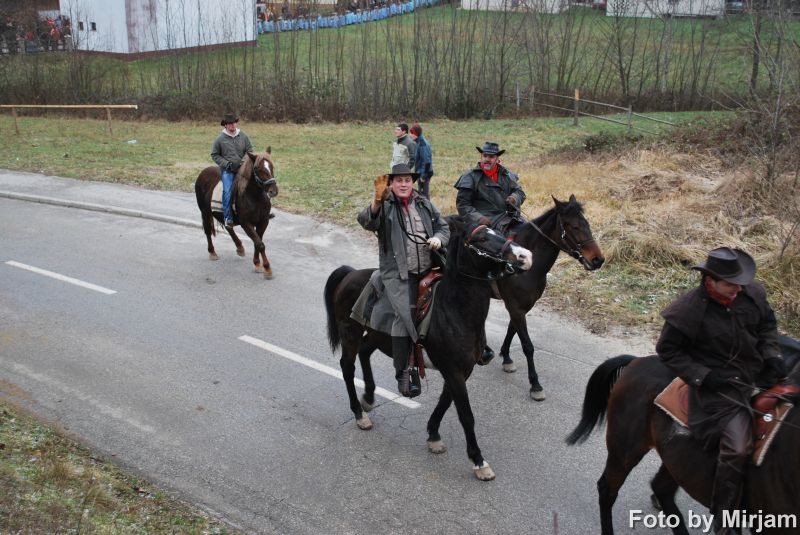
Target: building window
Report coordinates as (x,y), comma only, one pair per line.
(94,26)
(80,25)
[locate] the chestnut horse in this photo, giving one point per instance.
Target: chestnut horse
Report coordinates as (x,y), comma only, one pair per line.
(455,340)
(622,390)
(253,188)
(561,228)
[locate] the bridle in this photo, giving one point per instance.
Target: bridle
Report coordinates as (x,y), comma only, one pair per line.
(568,244)
(264,183)
(508,267)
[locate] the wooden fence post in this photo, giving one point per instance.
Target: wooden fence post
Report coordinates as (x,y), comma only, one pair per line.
(516,85)
(630,117)
(16,124)
(108,117)
(577,103)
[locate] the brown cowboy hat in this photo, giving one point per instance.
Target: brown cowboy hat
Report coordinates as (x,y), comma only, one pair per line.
(490,147)
(403,169)
(229,118)
(731,265)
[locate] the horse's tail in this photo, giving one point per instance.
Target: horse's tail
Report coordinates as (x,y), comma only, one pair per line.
(330,287)
(595,402)
(205,208)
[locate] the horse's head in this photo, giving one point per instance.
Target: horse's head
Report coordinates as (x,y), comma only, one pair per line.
(489,247)
(575,235)
(263,172)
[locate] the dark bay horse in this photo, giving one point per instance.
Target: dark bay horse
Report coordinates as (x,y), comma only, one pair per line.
(622,390)
(561,228)
(456,338)
(253,188)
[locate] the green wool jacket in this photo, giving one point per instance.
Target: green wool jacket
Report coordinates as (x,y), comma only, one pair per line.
(228,151)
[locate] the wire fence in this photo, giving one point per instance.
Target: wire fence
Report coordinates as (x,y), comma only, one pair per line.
(107,107)
(529,96)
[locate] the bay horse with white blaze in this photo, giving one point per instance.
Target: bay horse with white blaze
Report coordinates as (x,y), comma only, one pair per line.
(561,228)
(622,391)
(253,189)
(456,337)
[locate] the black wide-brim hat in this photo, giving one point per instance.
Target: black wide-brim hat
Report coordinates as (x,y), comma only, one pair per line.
(229,118)
(403,169)
(490,147)
(731,265)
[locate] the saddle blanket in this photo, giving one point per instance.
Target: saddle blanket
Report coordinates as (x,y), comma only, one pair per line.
(216,199)
(674,400)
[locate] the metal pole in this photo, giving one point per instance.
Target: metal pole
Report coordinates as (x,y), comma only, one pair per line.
(577,104)
(630,117)
(16,124)
(108,117)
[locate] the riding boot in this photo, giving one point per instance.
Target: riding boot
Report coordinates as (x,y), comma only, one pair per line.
(726,497)
(401,351)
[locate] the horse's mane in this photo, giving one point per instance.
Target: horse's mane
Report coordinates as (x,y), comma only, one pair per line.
(571,207)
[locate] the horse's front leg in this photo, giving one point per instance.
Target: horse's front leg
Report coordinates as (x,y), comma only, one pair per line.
(435,444)
(457,387)
(260,229)
(258,246)
(505,350)
(521,326)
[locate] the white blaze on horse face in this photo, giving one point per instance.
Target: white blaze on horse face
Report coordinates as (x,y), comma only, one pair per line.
(523,255)
(267,167)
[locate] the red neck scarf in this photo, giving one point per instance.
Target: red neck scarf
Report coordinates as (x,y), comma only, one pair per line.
(493,173)
(708,284)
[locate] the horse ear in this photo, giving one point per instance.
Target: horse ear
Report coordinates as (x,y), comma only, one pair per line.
(252,156)
(558,203)
(456,224)
(572,198)
(269,149)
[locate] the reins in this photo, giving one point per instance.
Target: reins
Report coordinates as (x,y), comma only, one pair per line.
(570,246)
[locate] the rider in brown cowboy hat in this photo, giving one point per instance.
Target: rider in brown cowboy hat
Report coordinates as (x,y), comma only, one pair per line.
(489,192)
(228,152)
(409,227)
(721,339)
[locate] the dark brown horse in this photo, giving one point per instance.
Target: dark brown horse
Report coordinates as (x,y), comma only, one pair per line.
(562,228)
(253,189)
(622,390)
(455,341)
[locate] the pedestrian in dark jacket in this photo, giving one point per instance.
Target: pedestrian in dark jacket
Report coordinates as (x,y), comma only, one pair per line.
(409,227)
(403,149)
(423,160)
(721,339)
(488,193)
(228,151)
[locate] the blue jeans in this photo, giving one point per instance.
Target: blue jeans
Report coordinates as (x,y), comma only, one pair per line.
(227,185)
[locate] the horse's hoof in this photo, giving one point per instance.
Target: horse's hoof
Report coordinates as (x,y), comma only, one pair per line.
(268,274)
(509,367)
(436,446)
(364,423)
(213,256)
(366,405)
(240,251)
(484,472)
(537,395)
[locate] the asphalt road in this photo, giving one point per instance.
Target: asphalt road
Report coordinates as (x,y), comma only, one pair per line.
(192,373)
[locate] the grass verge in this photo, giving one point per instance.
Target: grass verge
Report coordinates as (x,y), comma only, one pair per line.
(52,484)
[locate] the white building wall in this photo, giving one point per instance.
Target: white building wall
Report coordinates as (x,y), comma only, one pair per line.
(538,6)
(108,17)
(135,26)
(659,8)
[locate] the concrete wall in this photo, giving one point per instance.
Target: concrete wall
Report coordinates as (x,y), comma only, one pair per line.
(140,26)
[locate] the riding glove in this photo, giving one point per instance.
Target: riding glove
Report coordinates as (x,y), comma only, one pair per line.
(381,188)
(774,370)
(511,201)
(485,221)
(434,243)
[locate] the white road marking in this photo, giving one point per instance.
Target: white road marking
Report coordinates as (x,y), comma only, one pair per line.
(62,278)
(382,392)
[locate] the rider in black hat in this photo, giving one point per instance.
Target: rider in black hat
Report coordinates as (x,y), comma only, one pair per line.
(721,339)
(490,194)
(228,152)
(409,227)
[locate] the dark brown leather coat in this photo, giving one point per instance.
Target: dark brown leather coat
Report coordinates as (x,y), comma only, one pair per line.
(700,335)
